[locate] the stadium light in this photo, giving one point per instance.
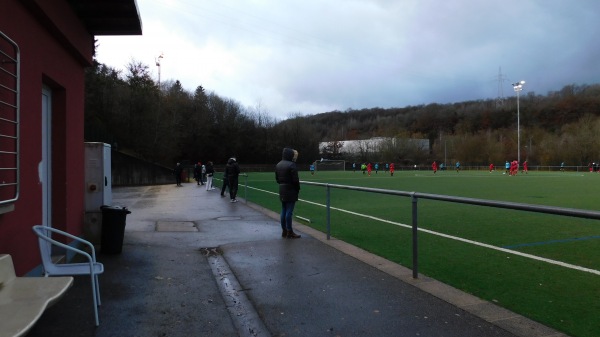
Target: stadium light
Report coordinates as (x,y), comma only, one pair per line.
(518,87)
(161,56)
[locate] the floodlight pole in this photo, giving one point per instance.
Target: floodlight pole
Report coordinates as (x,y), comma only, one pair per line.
(518,87)
(158,65)
(157,60)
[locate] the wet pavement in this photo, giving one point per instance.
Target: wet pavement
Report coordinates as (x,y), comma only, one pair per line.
(194,264)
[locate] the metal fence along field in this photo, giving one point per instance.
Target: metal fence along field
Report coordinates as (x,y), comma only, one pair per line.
(543,266)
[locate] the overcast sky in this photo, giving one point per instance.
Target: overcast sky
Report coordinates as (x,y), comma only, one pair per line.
(310,56)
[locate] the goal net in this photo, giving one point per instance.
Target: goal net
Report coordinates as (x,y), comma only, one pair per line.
(330,165)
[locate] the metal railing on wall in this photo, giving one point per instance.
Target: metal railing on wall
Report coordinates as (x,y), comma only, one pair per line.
(10,111)
(415,196)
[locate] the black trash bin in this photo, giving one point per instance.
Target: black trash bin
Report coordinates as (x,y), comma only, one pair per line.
(113,229)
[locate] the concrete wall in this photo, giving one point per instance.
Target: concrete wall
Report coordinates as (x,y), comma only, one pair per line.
(131,171)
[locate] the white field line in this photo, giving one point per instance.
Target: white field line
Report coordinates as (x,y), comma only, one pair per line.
(476,243)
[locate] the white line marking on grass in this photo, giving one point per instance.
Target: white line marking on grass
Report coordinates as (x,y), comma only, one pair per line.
(476,243)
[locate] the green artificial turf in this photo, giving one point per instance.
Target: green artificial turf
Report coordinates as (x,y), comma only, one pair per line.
(565,299)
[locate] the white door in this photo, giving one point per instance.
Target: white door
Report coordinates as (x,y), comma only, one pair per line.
(45,165)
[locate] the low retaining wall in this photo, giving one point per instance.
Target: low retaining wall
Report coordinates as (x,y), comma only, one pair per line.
(131,171)
(128,170)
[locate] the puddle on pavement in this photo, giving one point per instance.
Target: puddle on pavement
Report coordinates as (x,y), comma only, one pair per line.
(176,226)
(229,218)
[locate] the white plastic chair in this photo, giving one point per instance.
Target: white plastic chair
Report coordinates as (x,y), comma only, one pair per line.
(91,267)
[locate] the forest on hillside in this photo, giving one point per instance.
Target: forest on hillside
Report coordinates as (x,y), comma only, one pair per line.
(562,126)
(164,123)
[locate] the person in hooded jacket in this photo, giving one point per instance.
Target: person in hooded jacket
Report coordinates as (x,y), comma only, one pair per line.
(286,175)
(224,186)
(232,171)
(210,171)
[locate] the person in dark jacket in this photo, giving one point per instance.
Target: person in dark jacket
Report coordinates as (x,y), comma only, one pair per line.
(224,186)
(198,173)
(209,176)
(177,172)
(232,171)
(286,175)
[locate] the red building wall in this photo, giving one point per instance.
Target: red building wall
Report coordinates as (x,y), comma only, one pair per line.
(54,48)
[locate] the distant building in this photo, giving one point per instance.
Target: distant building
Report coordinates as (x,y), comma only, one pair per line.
(45,46)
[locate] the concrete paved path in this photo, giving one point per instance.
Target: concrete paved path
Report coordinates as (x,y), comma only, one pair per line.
(194,264)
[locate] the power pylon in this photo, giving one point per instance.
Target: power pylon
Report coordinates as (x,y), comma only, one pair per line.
(500,79)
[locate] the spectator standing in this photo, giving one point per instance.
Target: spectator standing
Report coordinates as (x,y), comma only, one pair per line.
(225,184)
(197,173)
(177,172)
(286,175)
(232,171)
(210,171)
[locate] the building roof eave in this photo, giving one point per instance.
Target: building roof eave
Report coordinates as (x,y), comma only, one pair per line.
(109,17)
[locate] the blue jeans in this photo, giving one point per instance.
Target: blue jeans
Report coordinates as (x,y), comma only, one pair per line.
(287,211)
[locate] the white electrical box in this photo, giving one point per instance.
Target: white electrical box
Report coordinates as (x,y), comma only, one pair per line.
(98,178)
(98,188)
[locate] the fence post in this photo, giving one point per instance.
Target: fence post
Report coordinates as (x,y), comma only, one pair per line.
(415,247)
(245,188)
(328,212)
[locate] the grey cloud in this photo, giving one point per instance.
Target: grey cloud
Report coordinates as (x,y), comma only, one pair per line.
(308,55)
